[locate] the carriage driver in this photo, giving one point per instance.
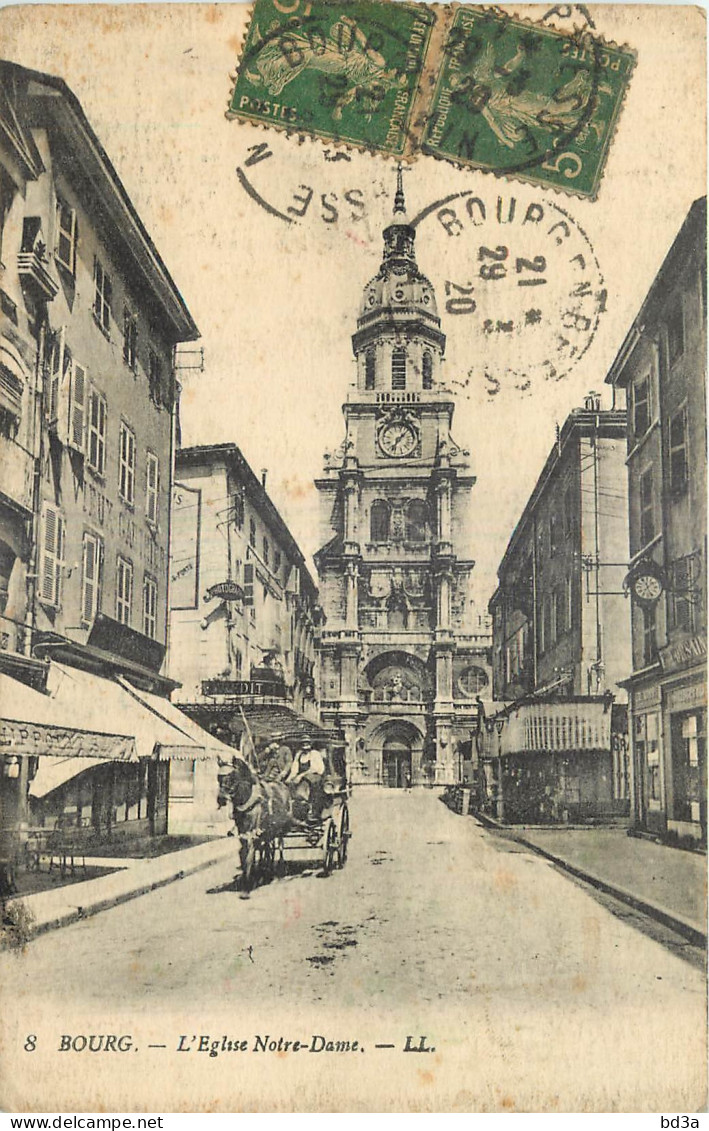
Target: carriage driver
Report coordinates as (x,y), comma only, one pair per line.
(309,768)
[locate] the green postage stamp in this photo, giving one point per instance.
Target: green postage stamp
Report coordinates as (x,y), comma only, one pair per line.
(347,72)
(470,85)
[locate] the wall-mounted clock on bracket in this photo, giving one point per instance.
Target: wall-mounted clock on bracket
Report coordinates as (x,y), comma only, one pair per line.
(646,582)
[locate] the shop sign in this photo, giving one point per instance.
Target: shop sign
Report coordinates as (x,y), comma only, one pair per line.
(684,652)
(119,639)
(224,591)
(693,695)
(36,738)
(644,697)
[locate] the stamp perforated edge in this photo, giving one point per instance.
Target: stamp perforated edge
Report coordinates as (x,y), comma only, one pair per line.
(410,150)
(523,177)
(444,15)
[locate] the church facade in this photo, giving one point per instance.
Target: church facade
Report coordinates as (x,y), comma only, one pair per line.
(400,666)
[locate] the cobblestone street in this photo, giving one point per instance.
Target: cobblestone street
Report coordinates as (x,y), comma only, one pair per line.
(436,927)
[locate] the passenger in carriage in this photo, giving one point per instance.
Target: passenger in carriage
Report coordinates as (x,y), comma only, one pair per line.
(277,761)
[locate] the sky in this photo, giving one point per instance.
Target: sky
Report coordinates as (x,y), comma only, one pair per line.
(276,303)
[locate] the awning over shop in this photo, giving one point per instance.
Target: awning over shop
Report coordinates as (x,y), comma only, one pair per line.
(561,727)
(94,699)
(204,744)
(270,718)
(35,724)
(86,719)
(54,772)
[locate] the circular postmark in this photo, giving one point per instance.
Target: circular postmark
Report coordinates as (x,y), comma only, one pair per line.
(522,283)
(321,187)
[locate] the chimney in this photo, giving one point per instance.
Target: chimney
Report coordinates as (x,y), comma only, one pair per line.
(592,403)
(264,476)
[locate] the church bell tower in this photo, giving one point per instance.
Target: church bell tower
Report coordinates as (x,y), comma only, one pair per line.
(400,669)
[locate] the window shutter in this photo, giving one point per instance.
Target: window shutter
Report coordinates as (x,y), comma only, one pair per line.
(77,407)
(99,574)
(74,240)
(90,579)
(52,556)
(47,579)
(61,539)
(131,467)
(248,585)
(151,493)
(56,374)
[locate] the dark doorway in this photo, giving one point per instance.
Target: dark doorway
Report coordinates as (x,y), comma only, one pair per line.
(396,763)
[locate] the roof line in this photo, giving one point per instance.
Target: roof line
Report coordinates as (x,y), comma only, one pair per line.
(230,452)
(695,219)
(575,422)
(53,82)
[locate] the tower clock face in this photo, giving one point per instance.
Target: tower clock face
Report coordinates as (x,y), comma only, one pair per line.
(398,439)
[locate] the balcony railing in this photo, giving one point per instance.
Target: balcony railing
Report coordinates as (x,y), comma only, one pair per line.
(405,695)
(557,727)
(17,473)
(398,398)
(13,635)
(339,634)
(34,274)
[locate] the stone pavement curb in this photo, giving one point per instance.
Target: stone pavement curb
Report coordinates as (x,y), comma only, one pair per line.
(65,905)
(669,919)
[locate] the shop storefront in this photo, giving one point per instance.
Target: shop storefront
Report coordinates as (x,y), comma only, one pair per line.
(649,806)
(93,754)
(557,762)
(684,697)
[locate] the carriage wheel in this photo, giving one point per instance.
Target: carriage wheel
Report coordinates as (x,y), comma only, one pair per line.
(329,847)
(279,863)
(344,836)
(268,858)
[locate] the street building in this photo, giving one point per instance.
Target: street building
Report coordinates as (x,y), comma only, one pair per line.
(561,635)
(88,403)
(244,610)
(401,664)
(661,367)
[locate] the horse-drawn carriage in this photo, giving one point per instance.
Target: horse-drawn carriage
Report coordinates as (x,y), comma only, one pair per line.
(278,822)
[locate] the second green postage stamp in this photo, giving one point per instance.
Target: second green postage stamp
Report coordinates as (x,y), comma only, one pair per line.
(525,100)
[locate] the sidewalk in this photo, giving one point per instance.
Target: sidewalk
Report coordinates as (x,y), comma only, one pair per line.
(666,883)
(63,905)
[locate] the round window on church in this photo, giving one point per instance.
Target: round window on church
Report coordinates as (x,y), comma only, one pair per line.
(472,681)
(399,294)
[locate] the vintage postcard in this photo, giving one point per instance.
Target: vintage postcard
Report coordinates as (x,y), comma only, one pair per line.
(352,557)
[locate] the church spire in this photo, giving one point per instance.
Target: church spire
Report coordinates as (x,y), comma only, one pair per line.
(399,236)
(399,199)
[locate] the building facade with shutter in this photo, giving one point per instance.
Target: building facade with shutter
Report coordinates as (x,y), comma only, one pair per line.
(244,611)
(561,634)
(662,369)
(90,321)
(401,664)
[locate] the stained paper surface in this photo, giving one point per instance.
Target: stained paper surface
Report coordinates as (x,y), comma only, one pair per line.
(271,238)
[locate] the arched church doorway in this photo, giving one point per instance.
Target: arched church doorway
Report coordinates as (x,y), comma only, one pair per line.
(396,762)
